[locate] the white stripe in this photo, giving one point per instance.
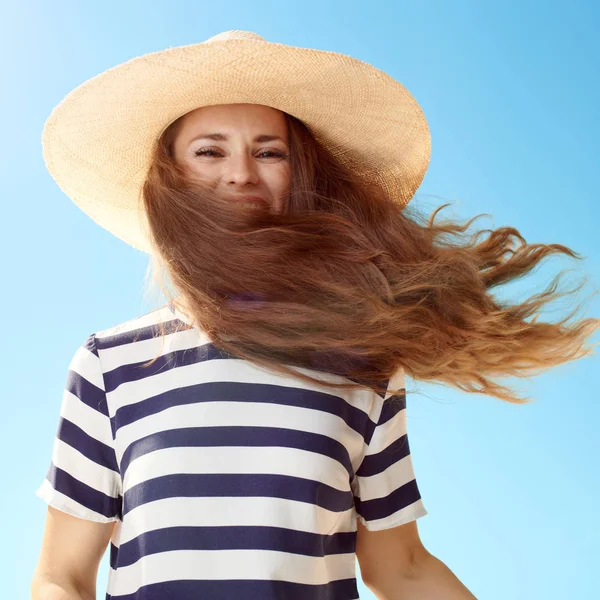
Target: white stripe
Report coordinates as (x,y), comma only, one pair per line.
(291,462)
(242,414)
(388,432)
(146,349)
(85,470)
(94,423)
(86,364)
(386,482)
(223,370)
(396,382)
(214,512)
(68,505)
(231,564)
(412,512)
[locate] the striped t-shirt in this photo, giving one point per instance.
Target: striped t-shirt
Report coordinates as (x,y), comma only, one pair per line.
(225,480)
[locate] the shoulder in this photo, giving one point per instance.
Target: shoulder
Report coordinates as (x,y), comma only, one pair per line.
(149,320)
(135,340)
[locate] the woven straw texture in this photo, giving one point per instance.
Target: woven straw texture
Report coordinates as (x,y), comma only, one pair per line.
(98,140)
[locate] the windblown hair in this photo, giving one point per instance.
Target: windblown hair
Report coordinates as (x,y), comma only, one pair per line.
(347,281)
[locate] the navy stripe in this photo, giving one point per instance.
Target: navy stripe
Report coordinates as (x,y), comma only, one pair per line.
(178,358)
(231,391)
(87,392)
(377,463)
(113,555)
(90,447)
(219,589)
(84,494)
(393,405)
(238,437)
(242,537)
(379,508)
(140,334)
(239,485)
(225,391)
(90,344)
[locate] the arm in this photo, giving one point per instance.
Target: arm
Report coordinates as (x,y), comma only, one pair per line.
(72,549)
(429,578)
(53,591)
(395,565)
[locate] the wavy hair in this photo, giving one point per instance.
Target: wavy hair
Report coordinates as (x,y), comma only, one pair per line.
(348,281)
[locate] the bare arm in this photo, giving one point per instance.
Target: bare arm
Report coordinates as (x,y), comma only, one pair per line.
(395,565)
(53,591)
(72,549)
(427,578)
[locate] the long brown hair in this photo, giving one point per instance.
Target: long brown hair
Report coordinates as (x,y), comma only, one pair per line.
(347,281)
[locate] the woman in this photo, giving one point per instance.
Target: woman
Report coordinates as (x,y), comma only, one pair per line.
(248,439)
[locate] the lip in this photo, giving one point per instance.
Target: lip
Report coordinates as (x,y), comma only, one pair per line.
(249,199)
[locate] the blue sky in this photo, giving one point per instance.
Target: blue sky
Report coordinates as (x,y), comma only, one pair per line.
(512,96)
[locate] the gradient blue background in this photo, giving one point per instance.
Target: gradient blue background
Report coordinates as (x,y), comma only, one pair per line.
(512,94)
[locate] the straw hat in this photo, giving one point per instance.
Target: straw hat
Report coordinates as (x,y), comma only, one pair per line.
(98,141)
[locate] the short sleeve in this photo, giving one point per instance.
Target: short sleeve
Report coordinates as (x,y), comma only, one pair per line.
(83,479)
(385,488)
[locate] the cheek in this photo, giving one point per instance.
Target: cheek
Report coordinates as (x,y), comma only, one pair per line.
(278,180)
(197,169)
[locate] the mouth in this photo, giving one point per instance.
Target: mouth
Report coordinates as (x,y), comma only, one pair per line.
(255,201)
(247,199)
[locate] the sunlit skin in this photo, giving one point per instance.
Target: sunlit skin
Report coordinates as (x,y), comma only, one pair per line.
(239,165)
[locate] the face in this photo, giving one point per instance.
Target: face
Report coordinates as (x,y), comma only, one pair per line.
(247,154)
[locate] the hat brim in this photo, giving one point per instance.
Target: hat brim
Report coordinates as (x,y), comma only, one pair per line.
(98,141)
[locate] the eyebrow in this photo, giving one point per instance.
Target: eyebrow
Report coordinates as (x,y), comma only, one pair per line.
(220,137)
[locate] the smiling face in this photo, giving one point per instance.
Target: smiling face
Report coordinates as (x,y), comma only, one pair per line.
(246,155)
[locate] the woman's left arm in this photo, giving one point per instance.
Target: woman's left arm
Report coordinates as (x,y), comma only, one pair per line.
(395,565)
(428,579)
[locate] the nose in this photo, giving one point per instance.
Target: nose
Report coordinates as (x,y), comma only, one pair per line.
(240,169)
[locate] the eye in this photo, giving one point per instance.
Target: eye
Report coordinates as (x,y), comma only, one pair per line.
(205,152)
(211,152)
(275,154)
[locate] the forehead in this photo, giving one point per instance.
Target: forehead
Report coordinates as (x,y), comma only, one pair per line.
(227,118)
